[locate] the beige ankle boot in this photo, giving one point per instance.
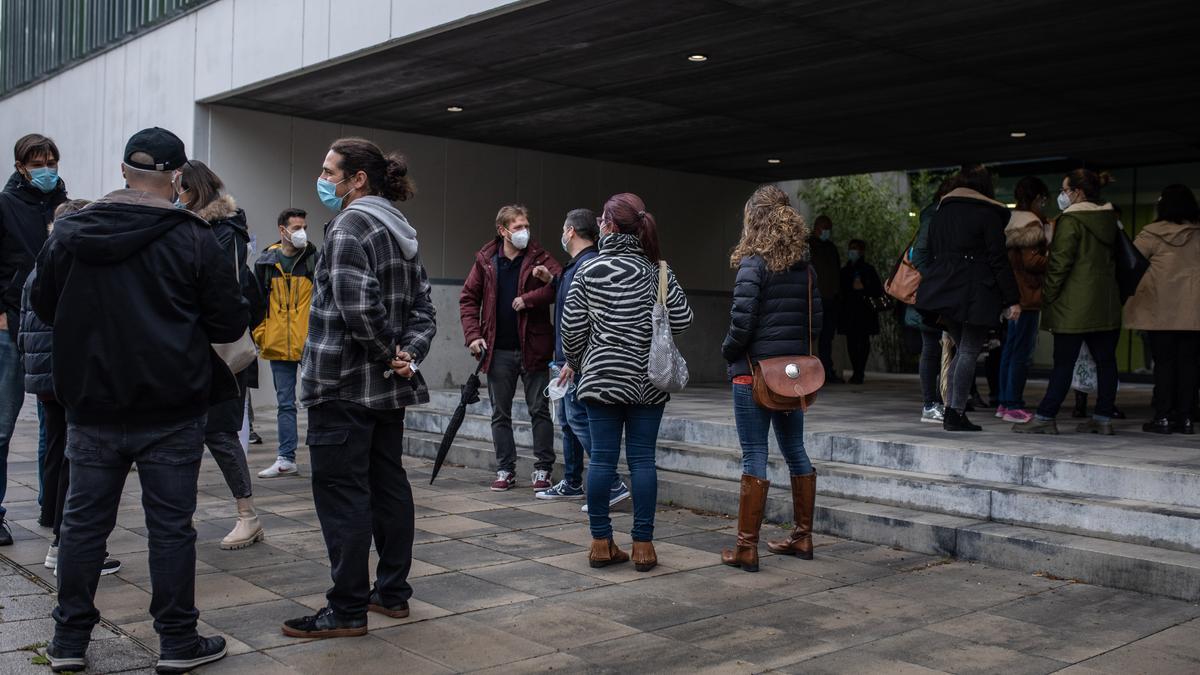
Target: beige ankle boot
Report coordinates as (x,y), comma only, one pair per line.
(247,531)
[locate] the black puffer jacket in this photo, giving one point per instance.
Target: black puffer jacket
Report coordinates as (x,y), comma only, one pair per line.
(770,314)
(25,213)
(35,342)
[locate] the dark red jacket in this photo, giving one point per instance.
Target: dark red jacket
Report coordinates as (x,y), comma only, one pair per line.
(477,305)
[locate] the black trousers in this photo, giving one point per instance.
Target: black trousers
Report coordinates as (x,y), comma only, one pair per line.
(56,472)
(829,318)
(361,490)
(1174,372)
(859,347)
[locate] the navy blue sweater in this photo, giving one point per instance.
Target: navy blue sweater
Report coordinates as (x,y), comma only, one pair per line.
(564,285)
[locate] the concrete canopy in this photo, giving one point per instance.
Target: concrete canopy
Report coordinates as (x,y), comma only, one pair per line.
(825,87)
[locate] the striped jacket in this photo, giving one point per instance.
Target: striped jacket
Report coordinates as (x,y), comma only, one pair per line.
(606,324)
(371,295)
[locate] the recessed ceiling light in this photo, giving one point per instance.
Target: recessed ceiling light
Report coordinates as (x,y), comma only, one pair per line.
(1017,134)
(454,108)
(774,160)
(698,58)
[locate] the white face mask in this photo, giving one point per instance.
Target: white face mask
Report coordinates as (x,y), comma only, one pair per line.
(1063,201)
(299,238)
(520,239)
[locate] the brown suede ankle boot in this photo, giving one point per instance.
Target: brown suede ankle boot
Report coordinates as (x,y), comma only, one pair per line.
(644,557)
(604,553)
(804,495)
(750,514)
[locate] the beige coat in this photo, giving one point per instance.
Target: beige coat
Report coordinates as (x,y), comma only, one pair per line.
(1168,298)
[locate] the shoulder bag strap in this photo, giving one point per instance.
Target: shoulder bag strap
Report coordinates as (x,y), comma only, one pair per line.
(662,282)
(810,310)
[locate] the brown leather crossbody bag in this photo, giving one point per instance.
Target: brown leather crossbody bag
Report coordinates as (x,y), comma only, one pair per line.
(788,383)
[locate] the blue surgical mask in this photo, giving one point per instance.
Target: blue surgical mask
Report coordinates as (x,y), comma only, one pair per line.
(826,235)
(853,255)
(327,191)
(179,204)
(44,178)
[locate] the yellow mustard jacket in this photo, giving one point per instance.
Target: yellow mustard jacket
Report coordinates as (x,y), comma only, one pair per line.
(281,335)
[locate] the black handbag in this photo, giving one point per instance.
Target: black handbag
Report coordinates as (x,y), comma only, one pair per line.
(1131,266)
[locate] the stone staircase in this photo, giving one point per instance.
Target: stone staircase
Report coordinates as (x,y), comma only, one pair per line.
(1055,506)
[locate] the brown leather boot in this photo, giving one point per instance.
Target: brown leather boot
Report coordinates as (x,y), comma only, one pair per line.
(604,553)
(644,557)
(799,543)
(750,514)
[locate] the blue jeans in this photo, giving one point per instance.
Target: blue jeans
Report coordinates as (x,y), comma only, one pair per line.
(573,420)
(639,423)
(168,462)
(753,424)
(1016,359)
(284,375)
(12,395)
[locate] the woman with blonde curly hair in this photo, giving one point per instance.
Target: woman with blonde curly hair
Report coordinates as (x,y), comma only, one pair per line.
(770,317)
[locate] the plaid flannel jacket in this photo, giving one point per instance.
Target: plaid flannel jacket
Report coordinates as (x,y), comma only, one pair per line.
(367,300)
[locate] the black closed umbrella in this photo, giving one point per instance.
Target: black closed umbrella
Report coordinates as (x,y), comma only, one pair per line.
(470,394)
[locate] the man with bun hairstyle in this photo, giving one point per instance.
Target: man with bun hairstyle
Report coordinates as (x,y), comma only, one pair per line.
(371,325)
(137,291)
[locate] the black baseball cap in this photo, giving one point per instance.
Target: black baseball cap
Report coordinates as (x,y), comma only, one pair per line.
(164,148)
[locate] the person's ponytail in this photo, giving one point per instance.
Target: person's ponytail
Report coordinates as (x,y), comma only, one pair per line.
(397,186)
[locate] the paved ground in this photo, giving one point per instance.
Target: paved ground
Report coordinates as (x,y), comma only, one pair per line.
(502,585)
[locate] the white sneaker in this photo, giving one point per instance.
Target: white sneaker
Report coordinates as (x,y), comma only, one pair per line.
(52,557)
(934,414)
(281,467)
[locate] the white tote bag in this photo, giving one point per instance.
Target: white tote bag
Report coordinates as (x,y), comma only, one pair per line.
(667,368)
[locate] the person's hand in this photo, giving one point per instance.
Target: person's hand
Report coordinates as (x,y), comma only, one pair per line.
(477,347)
(858,284)
(519,304)
(542,274)
(402,364)
(1014,312)
(565,375)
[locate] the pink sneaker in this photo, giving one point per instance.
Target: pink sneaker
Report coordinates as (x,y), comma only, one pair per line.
(1000,410)
(1016,416)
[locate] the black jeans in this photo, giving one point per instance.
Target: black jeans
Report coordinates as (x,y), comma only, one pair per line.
(829,313)
(226,448)
(930,366)
(960,374)
(1103,347)
(360,490)
(859,347)
(55,470)
(168,461)
(502,387)
(1174,372)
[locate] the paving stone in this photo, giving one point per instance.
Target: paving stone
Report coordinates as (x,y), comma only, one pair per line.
(923,648)
(366,655)
(460,504)
(136,570)
(558,625)
(830,567)
(527,544)
(144,632)
(535,578)
(649,653)
(1175,650)
(418,611)
(121,602)
(459,592)
(870,554)
(257,663)
(20,663)
(518,519)
(258,625)
(273,524)
(556,663)
(459,555)
(856,615)
(457,526)
(964,584)
(258,555)
(1091,608)
(615,574)
(19,608)
(777,581)
(460,643)
(222,589)
(18,634)
(13,584)
(857,661)
(117,656)
(303,577)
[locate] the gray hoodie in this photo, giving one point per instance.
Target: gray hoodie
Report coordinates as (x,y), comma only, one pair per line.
(383,211)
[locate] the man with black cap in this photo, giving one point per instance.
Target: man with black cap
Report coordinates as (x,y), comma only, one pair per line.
(136,291)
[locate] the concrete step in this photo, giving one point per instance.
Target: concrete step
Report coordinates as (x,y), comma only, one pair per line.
(1070,556)
(1006,459)
(1125,520)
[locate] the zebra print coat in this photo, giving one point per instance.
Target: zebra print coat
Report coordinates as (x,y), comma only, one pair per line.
(606,325)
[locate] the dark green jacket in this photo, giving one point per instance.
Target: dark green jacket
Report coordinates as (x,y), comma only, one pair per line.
(1080,295)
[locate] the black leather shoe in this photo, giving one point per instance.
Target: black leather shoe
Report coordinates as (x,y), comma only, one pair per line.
(1118,414)
(1184,426)
(1160,425)
(207,650)
(5,533)
(956,421)
(325,624)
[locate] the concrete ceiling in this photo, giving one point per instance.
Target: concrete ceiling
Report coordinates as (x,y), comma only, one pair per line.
(827,87)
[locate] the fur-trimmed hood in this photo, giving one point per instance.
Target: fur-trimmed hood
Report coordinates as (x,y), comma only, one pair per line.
(1024,230)
(221,207)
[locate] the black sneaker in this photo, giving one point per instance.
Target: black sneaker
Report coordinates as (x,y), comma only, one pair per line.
(64,660)
(5,533)
(207,650)
(324,625)
(255,439)
(374,604)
